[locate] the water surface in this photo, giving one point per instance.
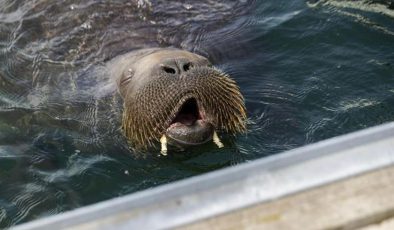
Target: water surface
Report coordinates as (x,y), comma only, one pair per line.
(309,70)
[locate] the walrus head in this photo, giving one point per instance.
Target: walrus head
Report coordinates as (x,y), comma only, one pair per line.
(179,95)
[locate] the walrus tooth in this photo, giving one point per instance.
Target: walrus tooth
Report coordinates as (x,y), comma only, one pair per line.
(216,140)
(163,141)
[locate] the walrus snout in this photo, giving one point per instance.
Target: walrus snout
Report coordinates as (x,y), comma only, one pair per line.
(190,127)
(177,96)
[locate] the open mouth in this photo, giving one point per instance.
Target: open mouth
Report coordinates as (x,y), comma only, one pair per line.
(189,127)
(188,114)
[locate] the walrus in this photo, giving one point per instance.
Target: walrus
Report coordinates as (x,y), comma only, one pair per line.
(66,71)
(176,96)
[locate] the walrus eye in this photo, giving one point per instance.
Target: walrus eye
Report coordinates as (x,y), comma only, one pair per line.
(169,69)
(128,77)
(125,80)
(187,66)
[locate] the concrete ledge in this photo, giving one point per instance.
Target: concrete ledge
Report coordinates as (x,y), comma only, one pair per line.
(365,200)
(245,186)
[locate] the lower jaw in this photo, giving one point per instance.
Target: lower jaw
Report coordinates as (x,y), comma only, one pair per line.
(189,135)
(174,141)
(168,139)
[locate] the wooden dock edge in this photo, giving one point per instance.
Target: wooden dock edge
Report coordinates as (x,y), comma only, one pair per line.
(361,202)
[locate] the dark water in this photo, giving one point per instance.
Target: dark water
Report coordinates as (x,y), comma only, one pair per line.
(308,71)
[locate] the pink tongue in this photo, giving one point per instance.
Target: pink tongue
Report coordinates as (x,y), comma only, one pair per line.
(186,119)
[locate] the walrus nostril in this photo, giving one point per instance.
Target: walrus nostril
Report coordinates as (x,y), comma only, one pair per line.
(187,66)
(169,70)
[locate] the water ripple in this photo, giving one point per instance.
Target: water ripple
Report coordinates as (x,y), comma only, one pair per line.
(27,200)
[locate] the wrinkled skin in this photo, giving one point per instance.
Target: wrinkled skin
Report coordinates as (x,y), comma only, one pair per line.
(186,111)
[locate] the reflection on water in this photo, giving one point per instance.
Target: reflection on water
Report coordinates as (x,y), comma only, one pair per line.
(309,70)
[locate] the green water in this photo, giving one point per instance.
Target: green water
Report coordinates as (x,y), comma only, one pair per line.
(308,71)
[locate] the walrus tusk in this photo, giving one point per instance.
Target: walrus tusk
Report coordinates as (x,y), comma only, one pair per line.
(163,141)
(216,140)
